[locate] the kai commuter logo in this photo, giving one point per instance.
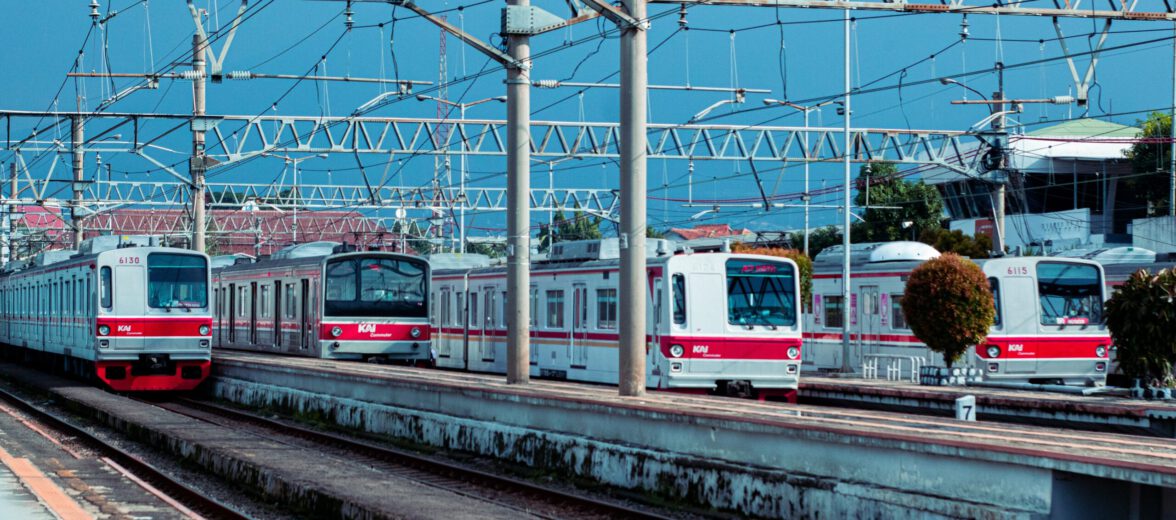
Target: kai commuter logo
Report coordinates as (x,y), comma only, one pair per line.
(369,328)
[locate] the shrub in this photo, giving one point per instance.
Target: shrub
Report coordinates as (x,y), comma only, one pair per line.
(948,305)
(803,263)
(1141,316)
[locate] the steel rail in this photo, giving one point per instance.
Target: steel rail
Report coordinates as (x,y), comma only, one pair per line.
(191,498)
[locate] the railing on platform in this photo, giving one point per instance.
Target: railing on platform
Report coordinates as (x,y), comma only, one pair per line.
(894,366)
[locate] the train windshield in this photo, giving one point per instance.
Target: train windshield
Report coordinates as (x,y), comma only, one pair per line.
(176,281)
(376,287)
(761,292)
(1071,294)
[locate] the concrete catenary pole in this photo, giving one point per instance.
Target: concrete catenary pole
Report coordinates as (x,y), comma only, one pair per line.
(518,210)
(846,297)
(78,139)
(634,81)
(196,164)
(1172,128)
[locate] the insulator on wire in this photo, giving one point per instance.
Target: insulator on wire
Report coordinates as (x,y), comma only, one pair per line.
(240,74)
(94,11)
(189,74)
(682,16)
(546,83)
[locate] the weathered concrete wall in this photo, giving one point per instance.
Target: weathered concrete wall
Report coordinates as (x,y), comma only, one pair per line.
(751,467)
(1157,234)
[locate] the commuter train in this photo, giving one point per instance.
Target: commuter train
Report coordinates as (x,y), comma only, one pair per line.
(716,322)
(323,300)
(125,310)
(1049,325)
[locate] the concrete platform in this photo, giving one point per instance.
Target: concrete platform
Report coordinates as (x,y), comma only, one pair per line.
(319,485)
(46,476)
(762,459)
(1091,412)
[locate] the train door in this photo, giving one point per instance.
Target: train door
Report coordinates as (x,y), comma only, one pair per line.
(253,313)
(489,308)
(304,314)
(579,333)
(443,311)
(657,313)
(1022,291)
(869,326)
(231,323)
(277,312)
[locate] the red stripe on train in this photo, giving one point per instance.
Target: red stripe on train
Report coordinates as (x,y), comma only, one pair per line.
(374,332)
(727,347)
(1011,347)
(164,327)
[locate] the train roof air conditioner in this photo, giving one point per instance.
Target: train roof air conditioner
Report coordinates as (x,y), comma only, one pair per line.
(602,249)
(95,245)
(307,250)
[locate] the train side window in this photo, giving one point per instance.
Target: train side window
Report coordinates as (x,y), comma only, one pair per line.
(290,300)
(606,309)
(502,312)
(459,315)
(679,295)
(534,306)
(555,309)
(834,312)
(474,311)
(897,318)
(994,284)
(105,290)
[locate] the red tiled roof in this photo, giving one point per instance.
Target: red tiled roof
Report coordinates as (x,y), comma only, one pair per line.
(709,231)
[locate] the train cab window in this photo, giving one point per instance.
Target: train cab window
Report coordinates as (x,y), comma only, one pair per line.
(606,309)
(761,292)
(679,295)
(897,318)
(994,284)
(177,281)
(834,311)
(555,309)
(1070,294)
(376,286)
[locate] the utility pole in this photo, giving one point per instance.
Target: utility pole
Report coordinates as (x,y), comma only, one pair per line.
(78,139)
(196,165)
(1172,128)
(846,309)
(518,211)
(634,79)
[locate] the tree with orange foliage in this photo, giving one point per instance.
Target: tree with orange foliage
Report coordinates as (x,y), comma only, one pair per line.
(803,263)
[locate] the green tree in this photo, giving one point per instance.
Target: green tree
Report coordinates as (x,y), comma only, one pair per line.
(804,264)
(918,203)
(946,241)
(1142,318)
(948,305)
(653,233)
(580,227)
(821,238)
(1150,160)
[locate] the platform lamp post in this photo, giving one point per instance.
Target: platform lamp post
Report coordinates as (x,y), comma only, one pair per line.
(297,189)
(462,108)
(805,110)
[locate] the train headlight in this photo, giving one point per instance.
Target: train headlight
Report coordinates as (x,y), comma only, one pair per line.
(336,331)
(1100,351)
(677,350)
(793,352)
(205,330)
(993,351)
(415,332)
(104,330)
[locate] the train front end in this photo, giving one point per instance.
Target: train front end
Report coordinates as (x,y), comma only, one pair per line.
(731,325)
(375,308)
(1049,322)
(153,323)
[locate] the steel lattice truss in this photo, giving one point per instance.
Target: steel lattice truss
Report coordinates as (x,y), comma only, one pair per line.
(1116,9)
(232,139)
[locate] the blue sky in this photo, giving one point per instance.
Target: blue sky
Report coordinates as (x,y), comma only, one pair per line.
(290,36)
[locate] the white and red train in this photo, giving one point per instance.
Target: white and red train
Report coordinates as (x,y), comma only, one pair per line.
(323,300)
(1049,325)
(124,310)
(716,322)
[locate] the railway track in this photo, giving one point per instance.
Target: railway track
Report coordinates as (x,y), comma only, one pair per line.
(514,493)
(195,501)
